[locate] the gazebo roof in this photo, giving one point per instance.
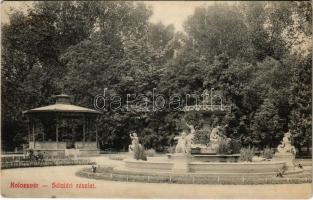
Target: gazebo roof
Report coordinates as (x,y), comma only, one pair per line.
(62,105)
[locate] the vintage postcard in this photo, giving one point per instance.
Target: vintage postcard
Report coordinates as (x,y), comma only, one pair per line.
(156,99)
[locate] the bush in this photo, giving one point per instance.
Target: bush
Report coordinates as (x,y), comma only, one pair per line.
(116,157)
(201,137)
(235,146)
(268,153)
(139,152)
(246,154)
(171,149)
(150,152)
(223,147)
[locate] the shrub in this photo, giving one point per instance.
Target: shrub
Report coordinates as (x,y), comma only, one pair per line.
(246,154)
(171,149)
(150,152)
(200,137)
(223,147)
(139,153)
(268,153)
(235,146)
(281,171)
(116,157)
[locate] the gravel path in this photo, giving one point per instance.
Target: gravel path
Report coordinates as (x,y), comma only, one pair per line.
(46,176)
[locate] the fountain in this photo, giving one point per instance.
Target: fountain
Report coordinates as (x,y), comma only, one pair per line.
(191,157)
(183,162)
(199,160)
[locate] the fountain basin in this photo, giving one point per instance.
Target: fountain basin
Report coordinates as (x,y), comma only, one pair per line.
(240,167)
(165,165)
(155,164)
(215,158)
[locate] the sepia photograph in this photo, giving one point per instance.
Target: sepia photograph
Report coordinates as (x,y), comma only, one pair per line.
(156,99)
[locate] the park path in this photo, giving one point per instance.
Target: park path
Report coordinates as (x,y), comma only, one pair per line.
(45,176)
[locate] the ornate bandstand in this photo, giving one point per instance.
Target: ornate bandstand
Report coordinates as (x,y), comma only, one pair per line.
(63,129)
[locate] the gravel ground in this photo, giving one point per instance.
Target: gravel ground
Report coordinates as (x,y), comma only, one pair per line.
(45,177)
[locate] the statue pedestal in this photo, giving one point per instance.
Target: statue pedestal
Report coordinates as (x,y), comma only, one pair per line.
(211,149)
(180,161)
(287,158)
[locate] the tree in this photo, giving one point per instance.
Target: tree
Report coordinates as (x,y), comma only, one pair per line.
(32,44)
(301,103)
(216,30)
(122,59)
(257,55)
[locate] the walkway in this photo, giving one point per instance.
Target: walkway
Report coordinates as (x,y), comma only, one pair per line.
(46,176)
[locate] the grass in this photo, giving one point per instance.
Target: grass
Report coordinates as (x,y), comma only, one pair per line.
(117,157)
(44,163)
(107,173)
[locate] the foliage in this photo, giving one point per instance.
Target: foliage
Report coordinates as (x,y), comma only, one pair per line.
(268,153)
(224,147)
(235,146)
(246,154)
(213,34)
(117,157)
(281,171)
(150,152)
(257,54)
(301,104)
(139,152)
(201,137)
(171,149)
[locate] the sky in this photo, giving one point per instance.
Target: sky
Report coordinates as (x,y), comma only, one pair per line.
(174,12)
(167,12)
(6,6)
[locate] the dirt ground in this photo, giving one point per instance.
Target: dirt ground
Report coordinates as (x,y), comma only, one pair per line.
(47,177)
(50,181)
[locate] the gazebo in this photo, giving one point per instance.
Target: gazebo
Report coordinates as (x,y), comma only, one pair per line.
(63,129)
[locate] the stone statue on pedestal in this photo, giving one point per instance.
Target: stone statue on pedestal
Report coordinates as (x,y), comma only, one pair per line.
(135,141)
(216,136)
(190,136)
(286,151)
(182,142)
(285,146)
(185,140)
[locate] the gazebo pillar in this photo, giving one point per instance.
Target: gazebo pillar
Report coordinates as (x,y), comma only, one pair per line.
(57,131)
(28,130)
(84,131)
(73,139)
(96,135)
(33,131)
(43,134)
(87,130)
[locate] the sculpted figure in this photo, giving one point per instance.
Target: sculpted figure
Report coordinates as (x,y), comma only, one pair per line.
(135,141)
(216,136)
(181,146)
(192,128)
(285,146)
(190,136)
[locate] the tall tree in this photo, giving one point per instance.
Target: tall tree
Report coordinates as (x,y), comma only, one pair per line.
(31,69)
(218,29)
